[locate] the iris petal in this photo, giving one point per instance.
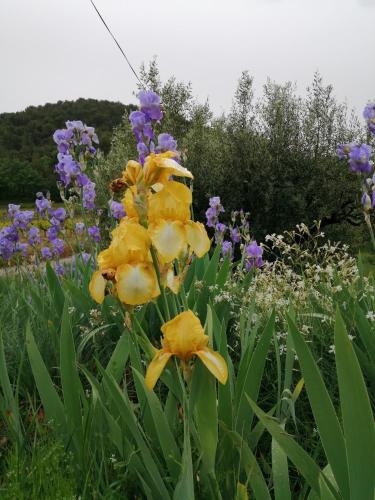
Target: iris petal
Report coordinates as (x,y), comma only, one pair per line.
(155,368)
(197,238)
(97,287)
(215,363)
(169,238)
(136,283)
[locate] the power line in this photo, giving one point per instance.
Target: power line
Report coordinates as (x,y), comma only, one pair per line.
(116,42)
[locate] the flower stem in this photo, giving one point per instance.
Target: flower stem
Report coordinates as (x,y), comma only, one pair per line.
(371,231)
(161,287)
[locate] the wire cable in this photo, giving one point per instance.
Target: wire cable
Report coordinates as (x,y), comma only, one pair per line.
(118,45)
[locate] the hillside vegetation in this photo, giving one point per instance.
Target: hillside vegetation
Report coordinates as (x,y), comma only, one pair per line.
(27,150)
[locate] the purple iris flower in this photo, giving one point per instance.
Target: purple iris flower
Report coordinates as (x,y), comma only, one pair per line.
(22,248)
(343,151)
(359,159)
(58,246)
(235,235)
(42,204)
(52,233)
(211,216)
(74,124)
(46,253)
(82,180)
(137,120)
(7,248)
(117,210)
(85,139)
(92,134)
(89,196)
(150,104)
(366,201)
(23,219)
(214,202)
(10,233)
(80,227)
(94,233)
(59,214)
(142,149)
(227,248)
(166,143)
(13,210)
(369,116)
(254,253)
(34,236)
(85,256)
(59,269)
(148,131)
(220,228)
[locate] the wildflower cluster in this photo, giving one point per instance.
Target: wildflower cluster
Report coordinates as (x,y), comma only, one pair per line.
(306,269)
(41,234)
(237,233)
(75,146)
(22,237)
(152,246)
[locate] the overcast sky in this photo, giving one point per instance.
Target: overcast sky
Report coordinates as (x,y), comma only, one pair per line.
(54,50)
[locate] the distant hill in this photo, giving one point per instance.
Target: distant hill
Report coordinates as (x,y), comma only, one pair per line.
(27,150)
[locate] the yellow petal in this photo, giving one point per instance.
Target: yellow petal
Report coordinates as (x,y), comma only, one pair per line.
(106,260)
(159,167)
(173,282)
(133,173)
(155,368)
(136,283)
(172,202)
(97,287)
(128,203)
(184,335)
(215,363)
(179,191)
(169,238)
(197,238)
(130,243)
(176,169)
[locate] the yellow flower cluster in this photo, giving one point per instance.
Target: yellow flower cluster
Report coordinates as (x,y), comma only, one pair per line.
(158,217)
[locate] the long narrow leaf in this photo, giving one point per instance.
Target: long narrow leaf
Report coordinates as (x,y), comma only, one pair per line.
(166,439)
(324,413)
(252,380)
(70,382)
(304,463)
(357,417)
(52,404)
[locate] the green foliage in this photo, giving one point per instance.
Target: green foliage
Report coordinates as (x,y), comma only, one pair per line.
(273,156)
(44,471)
(83,386)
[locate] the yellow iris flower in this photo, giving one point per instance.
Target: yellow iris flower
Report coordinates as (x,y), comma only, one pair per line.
(184,337)
(158,168)
(158,213)
(127,261)
(170,227)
